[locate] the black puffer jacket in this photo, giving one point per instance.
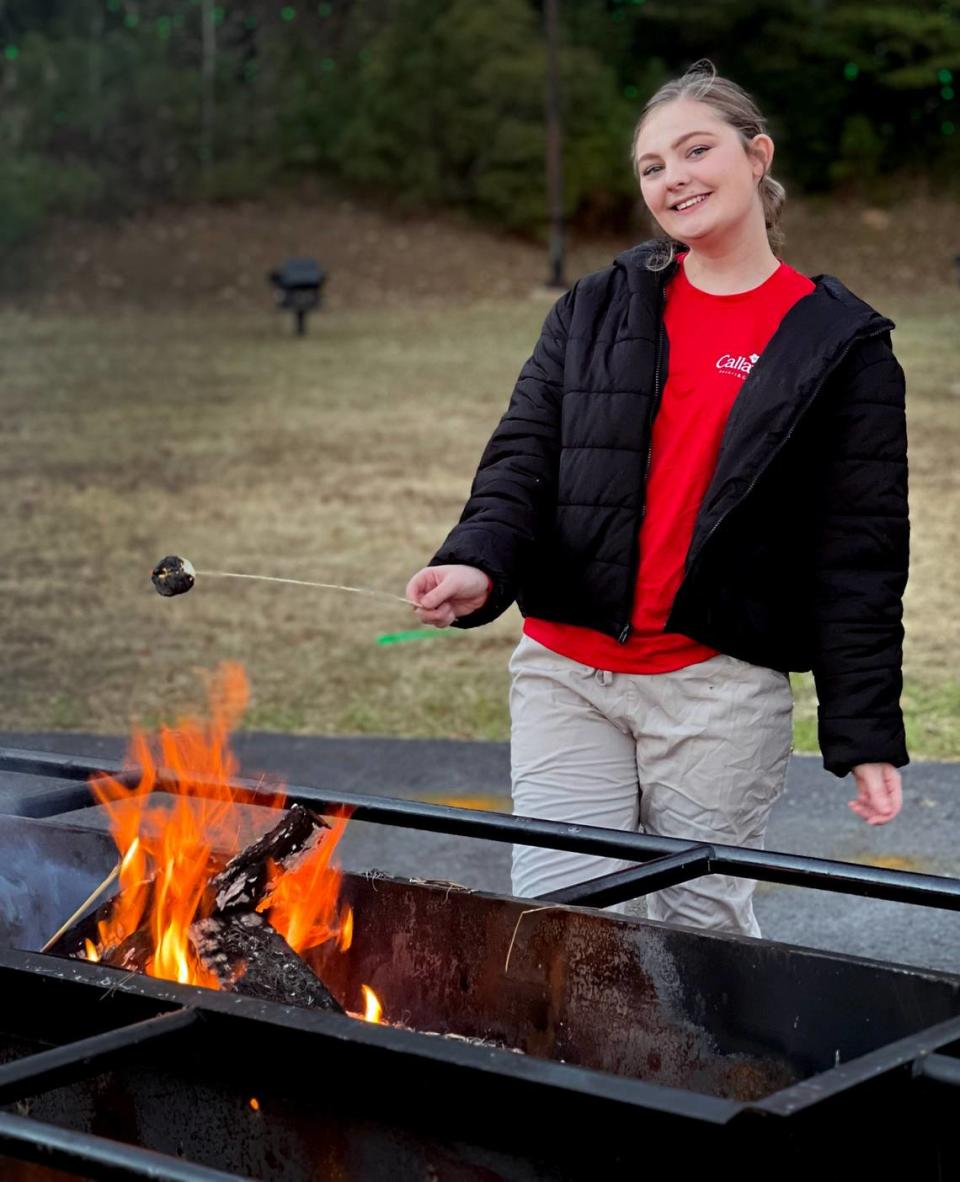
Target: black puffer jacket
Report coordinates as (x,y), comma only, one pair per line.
(799,555)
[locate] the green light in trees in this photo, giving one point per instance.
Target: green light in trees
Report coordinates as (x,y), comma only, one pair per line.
(947,127)
(219,12)
(630,92)
(113,5)
(178,20)
(850,71)
(131,20)
(324,9)
(11,53)
(288,12)
(250,71)
(618,15)
(946,92)
(59,116)
(164,27)
(364,55)
(328,64)
(944,76)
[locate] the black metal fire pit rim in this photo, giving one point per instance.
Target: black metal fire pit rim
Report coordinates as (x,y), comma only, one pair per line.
(60,1065)
(53,763)
(938,1069)
(233,1010)
(50,1145)
(915,1051)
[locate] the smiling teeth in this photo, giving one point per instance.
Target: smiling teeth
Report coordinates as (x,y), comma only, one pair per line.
(692,201)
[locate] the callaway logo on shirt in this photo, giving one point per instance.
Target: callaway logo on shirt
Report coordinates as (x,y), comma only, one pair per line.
(738,366)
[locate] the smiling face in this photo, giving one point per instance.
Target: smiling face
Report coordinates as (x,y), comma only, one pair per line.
(696,176)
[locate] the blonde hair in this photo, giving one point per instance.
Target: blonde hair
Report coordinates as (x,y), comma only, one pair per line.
(732,103)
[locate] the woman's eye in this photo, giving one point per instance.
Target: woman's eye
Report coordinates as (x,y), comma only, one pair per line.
(699,148)
(649,169)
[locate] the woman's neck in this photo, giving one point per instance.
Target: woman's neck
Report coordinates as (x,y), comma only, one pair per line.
(729,268)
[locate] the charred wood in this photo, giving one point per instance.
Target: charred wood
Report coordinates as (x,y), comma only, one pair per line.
(133,953)
(244,880)
(248,956)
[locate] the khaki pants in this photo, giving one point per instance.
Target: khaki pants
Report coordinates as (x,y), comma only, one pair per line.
(700,753)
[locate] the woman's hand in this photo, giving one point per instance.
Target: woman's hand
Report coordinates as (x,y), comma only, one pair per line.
(445,593)
(879,792)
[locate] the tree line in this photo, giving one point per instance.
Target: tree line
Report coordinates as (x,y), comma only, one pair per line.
(108,105)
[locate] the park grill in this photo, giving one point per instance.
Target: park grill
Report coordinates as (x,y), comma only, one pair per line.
(642,1044)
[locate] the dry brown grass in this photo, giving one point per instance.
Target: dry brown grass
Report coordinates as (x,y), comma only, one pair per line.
(129,434)
(330,458)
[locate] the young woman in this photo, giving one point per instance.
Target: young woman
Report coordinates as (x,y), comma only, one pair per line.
(698,486)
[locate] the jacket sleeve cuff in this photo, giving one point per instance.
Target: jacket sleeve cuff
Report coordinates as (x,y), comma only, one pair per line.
(879,740)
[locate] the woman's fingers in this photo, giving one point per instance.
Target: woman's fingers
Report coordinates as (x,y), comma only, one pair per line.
(431,590)
(444,593)
(879,793)
(422,582)
(441,617)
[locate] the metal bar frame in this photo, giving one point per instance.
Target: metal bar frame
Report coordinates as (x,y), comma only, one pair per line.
(74,1060)
(899,886)
(938,1068)
(662,862)
(98,1157)
(635,881)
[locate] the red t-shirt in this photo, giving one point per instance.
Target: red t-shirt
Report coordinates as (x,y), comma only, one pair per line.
(715,340)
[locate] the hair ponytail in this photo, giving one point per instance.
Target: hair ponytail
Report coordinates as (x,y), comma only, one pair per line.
(774,196)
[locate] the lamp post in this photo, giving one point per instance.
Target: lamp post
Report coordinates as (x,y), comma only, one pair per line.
(554,148)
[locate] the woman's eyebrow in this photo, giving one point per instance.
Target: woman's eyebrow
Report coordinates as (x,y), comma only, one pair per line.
(676,143)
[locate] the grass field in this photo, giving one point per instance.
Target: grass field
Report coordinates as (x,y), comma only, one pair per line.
(341,458)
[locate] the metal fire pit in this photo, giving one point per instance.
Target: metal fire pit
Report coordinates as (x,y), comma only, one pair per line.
(644,1046)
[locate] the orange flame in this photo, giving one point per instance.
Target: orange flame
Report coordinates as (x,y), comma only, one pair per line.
(372,1009)
(302,903)
(345,938)
(170,851)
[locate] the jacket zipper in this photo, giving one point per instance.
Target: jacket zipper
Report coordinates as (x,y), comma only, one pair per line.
(785,440)
(625,631)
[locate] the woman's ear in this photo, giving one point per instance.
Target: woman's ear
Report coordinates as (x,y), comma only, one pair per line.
(761,154)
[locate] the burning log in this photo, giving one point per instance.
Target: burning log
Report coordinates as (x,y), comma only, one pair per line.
(133,954)
(235,944)
(242,882)
(183,912)
(238,945)
(247,956)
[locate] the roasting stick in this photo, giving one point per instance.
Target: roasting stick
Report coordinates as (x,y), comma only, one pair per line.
(80,911)
(227,574)
(175,576)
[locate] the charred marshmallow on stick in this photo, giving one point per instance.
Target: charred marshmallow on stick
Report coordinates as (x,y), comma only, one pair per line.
(173,575)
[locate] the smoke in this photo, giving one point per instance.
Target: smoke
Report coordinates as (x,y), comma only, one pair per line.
(46,872)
